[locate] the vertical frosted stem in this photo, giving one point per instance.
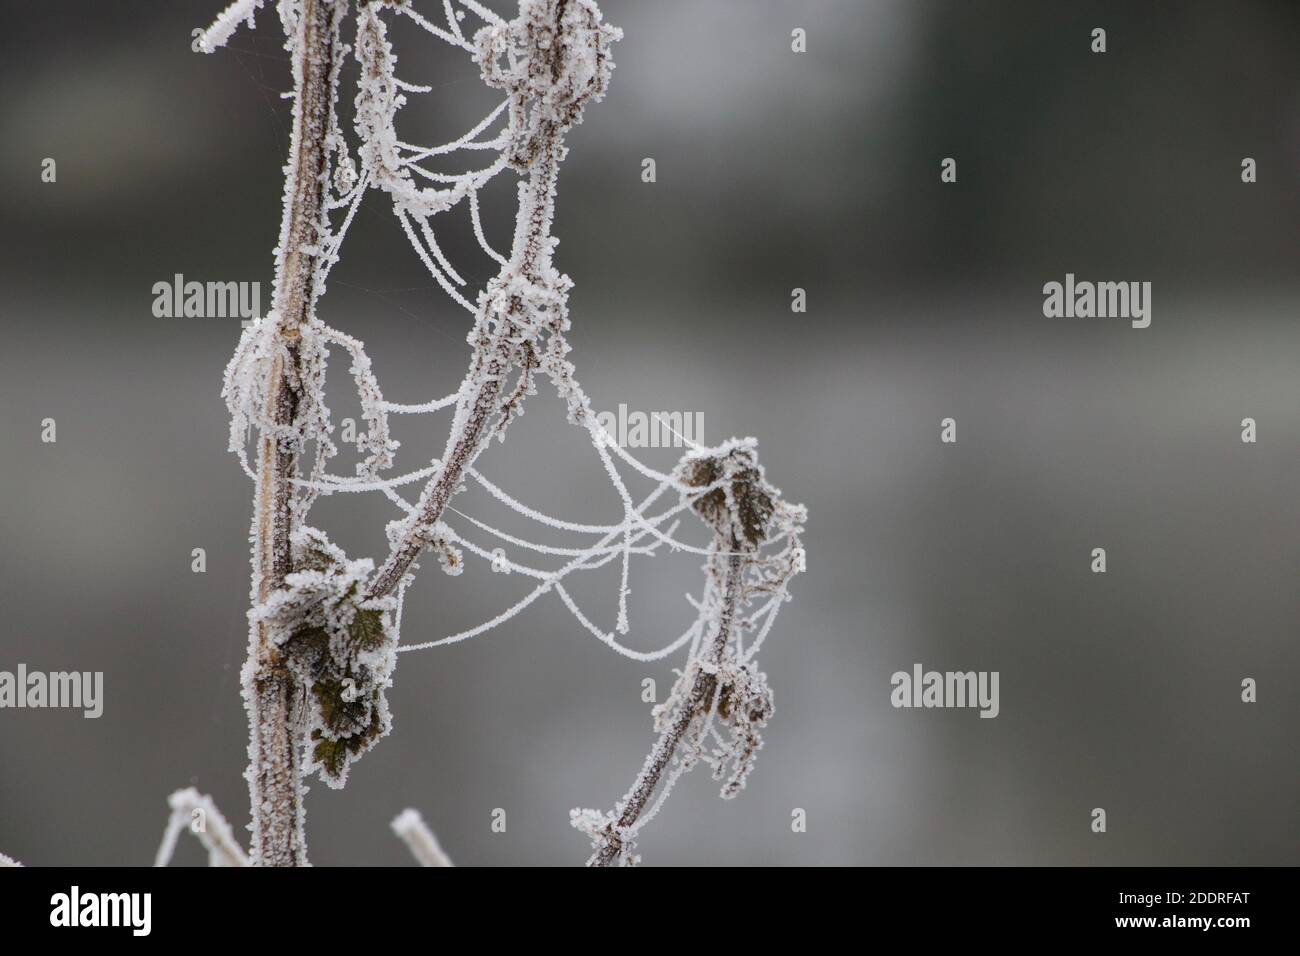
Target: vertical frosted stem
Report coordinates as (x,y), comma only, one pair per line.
(271,696)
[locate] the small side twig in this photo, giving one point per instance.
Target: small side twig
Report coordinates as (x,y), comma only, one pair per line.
(700,703)
(721,682)
(199,813)
(419,839)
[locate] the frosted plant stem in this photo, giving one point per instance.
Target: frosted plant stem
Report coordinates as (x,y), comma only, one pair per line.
(699,702)
(196,812)
(271,696)
(482,388)
(419,839)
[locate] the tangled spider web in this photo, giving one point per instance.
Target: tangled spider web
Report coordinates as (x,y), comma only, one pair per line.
(342,618)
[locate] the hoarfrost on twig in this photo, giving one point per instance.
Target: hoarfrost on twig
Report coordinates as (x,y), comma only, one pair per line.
(419,839)
(196,812)
(227,22)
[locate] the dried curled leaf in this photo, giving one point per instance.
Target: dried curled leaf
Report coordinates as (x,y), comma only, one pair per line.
(745,703)
(340,646)
(740,503)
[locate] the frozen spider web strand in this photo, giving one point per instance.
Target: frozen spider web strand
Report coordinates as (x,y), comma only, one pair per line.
(597,555)
(454,36)
(483,12)
(561,372)
(380,94)
(419,839)
(593,556)
(376,443)
(558,523)
(196,812)
(379,97)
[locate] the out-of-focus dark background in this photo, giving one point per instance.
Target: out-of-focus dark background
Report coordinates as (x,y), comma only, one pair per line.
(775,170)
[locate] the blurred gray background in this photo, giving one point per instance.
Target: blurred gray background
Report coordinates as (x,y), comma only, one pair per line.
(775,170)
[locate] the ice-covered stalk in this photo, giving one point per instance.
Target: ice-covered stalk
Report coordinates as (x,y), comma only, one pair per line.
(272,697)
(699,701)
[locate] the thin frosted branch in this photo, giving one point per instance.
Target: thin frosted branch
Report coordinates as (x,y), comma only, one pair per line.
(196,812)
(615,841)
(227,22)
(419,839)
